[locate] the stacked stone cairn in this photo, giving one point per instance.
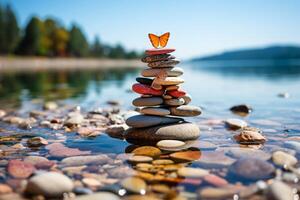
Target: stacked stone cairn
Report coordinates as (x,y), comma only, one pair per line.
(162,103)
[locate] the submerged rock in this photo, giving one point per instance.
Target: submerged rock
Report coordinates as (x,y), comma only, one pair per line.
(252,169)
(243,108)
(49,184)
(280,191)
(98,196)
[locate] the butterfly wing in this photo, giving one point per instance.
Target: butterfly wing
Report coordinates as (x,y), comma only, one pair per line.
(163,39)
(154,40)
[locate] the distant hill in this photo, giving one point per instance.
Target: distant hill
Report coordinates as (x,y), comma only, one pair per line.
(273,52)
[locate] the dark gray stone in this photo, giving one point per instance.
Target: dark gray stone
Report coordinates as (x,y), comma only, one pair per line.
(140,121)
(146,81)
(179,131)
(147,101)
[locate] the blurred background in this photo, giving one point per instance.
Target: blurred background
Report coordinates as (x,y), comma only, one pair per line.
(87,52)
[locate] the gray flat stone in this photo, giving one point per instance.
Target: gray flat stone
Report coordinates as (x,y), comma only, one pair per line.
(171,72)
(180,131)
(185,111)
(147,101)
(141,121)
(155,111)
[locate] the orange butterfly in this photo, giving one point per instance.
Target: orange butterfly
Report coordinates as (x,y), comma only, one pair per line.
(159,41)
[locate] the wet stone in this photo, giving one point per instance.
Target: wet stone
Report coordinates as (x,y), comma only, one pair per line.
(60,150)
(134,184)
(185,111)
(219,193)
(170,143)
(243,108)
(50,105)
(186,156)
(116,130)
(84,160)
(2,113)
(36,142)
(74,119)
(252,169)
(280,191)
(141,121)
(215,159)
(49,184)
(180,131)
(98,196)
(190,172)
(140,159)
(281,158)
(150,101)
(140,197)
(235,124)
(249,137)
(91,182)
(239,152)
(162,162)
(215,180)
(20,169)
(5,189)
(147,151)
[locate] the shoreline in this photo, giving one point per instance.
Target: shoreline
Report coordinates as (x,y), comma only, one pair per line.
(8,64)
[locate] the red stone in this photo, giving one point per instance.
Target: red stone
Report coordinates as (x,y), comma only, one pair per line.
(215,180)
(20,169)
(158,51)
(176,93)
(145,89)
(44,165)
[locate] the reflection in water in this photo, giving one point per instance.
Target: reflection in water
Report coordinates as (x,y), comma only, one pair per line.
(270,69)
(55,85)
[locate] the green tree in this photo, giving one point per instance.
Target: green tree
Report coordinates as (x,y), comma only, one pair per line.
(77,45)
(132,55)
(30,43)
(117,52)
(97,49)
(11,30)
(60,41)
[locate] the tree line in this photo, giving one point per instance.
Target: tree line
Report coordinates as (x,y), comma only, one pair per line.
(50,38)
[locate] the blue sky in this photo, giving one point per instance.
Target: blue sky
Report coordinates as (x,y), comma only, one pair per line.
(198,27)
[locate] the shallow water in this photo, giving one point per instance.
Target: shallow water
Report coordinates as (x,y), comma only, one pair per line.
(214,86)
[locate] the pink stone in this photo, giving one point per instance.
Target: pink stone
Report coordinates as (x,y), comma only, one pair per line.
(60,150)
(20,169)
(158,51)
(176,93)
(215,180)
(145,89)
